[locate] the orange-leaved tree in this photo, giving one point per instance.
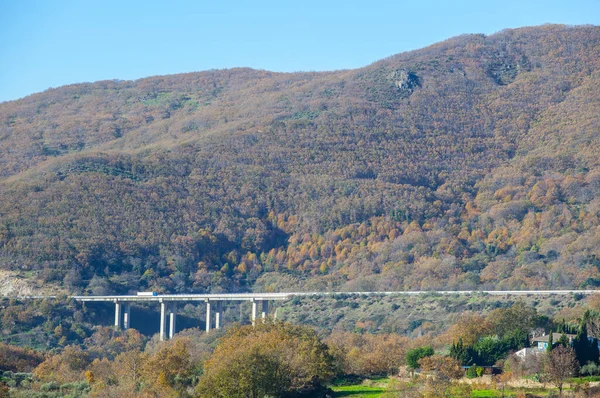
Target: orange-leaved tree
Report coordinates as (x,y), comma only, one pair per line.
(267,360)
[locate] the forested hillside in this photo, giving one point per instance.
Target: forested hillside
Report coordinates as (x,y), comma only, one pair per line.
(472,163)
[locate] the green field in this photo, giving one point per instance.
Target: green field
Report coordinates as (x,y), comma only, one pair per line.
(366,388)
(486,394)
(358,391)
(509,393)
(378,387)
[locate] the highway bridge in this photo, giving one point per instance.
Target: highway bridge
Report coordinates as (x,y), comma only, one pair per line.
(260,302)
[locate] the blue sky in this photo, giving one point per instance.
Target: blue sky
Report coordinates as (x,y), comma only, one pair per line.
(52,43)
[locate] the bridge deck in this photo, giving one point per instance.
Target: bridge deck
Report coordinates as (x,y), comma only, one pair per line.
(191,297)
(287,296)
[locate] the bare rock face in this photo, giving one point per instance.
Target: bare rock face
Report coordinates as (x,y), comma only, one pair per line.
(10,285)
(404,80)
(13,285)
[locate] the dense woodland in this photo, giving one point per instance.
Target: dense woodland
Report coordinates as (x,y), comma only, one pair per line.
(472,163)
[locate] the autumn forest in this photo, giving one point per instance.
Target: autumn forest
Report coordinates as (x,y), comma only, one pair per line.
(472,163)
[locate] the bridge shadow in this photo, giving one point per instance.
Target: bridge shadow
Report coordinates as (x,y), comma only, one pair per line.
(145,318)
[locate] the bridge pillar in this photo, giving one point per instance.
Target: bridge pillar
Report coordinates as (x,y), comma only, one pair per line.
(207,316)
(172,319)
(254,311)
(218,312)
(118,309)
(127,316)
(265,310)
(163,320)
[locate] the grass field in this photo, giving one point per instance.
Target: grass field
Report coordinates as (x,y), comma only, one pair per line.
(358,389)
(377,388)
(509,393)
(586,379)
(486,394)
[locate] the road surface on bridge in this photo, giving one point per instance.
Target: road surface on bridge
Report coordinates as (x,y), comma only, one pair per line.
(290,295)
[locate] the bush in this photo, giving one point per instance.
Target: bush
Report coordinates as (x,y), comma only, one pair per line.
(51,386)
(590,369)
(79,386)
(474,372)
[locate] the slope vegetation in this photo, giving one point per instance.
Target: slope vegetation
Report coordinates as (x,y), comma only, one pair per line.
(470,163)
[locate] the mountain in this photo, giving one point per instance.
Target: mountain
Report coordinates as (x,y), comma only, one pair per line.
(472,163)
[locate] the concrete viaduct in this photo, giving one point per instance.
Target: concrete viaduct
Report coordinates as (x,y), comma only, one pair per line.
(260,302)
(168,307)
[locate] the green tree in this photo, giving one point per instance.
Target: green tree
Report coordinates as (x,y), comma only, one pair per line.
(413,356)
(564,340)
(463,354)
(489,350)
(514,321)
(550,342)
(586,349)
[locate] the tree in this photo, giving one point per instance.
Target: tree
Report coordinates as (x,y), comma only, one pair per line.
(17,359)
(166,372)
(413,356)
(130,365)
(367,354)
(516,339)
(563,340)
(561,364)
(586,349)
(469,328)
(464,355)
(4,390)
(267,360)
(550,342)
(63,368)
(443,369)
(489,350)
(509,321)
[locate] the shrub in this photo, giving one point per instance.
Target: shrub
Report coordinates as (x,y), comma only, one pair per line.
(590,369)
(474,372)
(51,386)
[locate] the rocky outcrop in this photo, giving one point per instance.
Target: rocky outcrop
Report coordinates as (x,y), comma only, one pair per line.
(504,70)
(405,81)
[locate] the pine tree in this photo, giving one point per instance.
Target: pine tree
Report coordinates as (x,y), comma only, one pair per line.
(594,352)
(564,340)
(457,351)
(563,326)
(581,344)
(460,352)
(550,342)
(586,350)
